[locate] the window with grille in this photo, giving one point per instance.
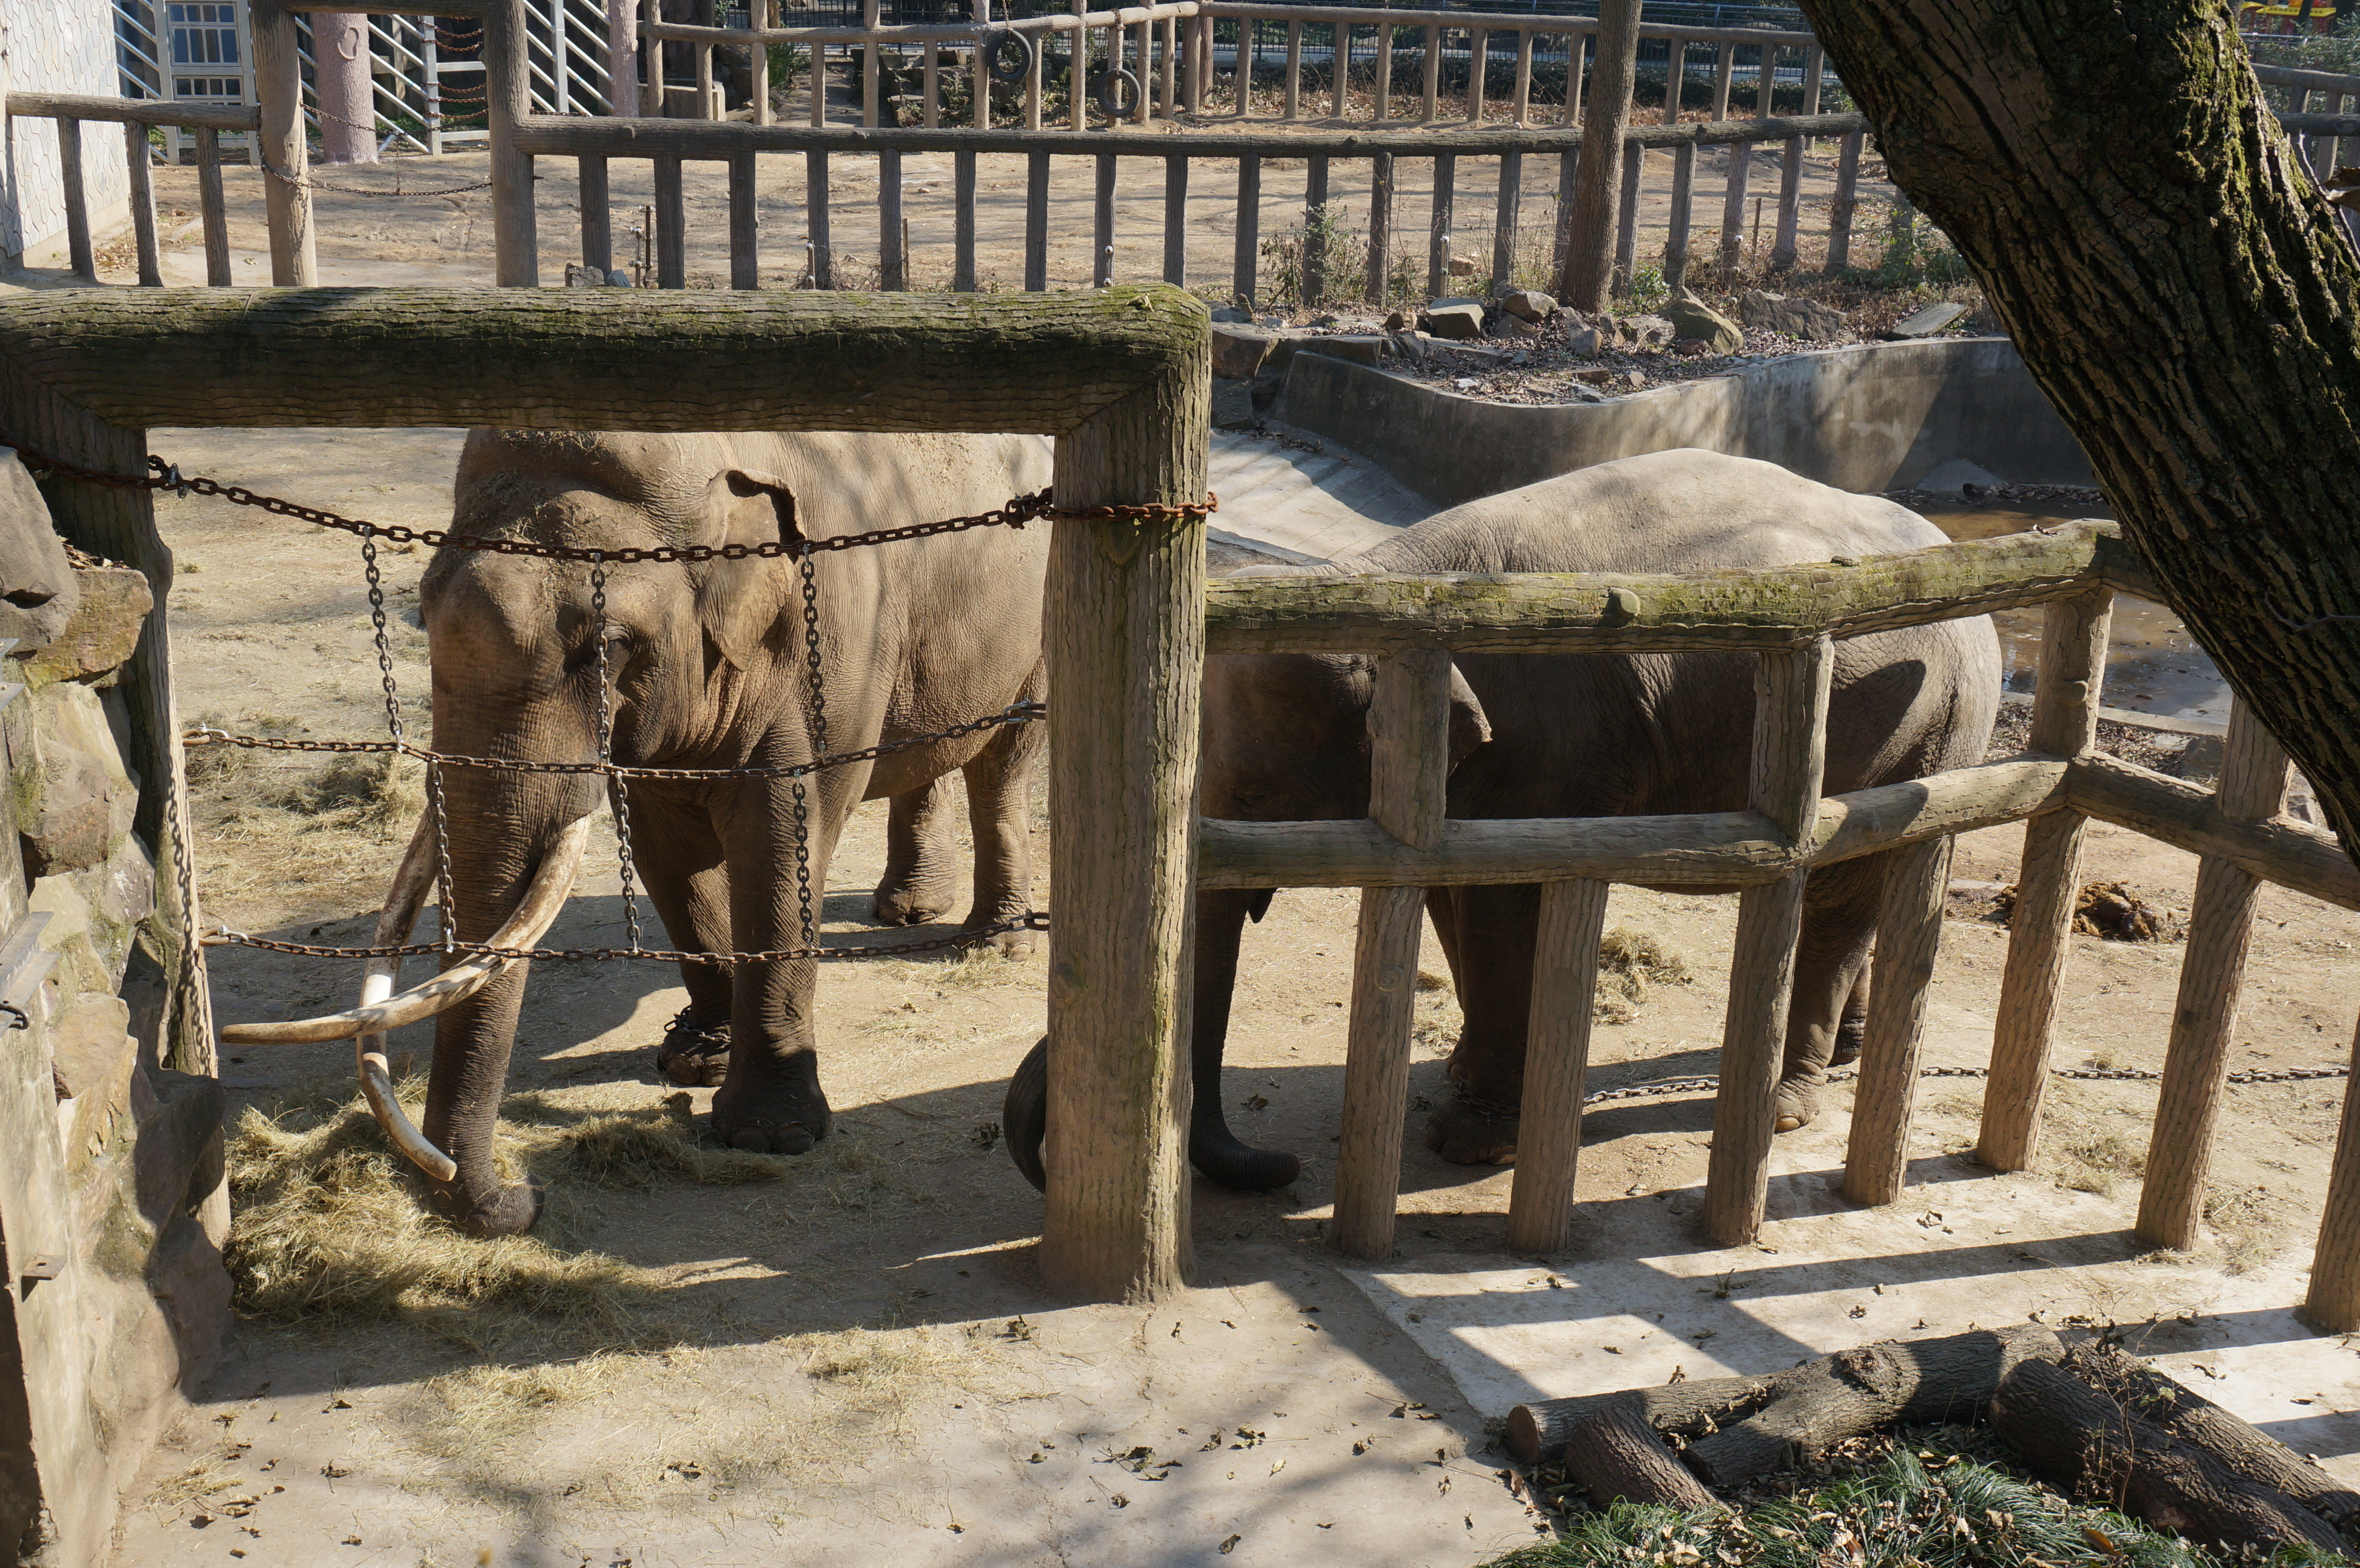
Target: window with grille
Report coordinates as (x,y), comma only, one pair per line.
(203,35)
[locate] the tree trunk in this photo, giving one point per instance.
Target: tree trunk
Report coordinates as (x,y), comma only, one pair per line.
(339,63)
(1810,1406)
(1614,1454)
(2075,1437)
(2198,1421)
(2181,291)
(1599,175)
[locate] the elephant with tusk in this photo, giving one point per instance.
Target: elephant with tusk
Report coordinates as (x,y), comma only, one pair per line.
(705,667)
(1285,739)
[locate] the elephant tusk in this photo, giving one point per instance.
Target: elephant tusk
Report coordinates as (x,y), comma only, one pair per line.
(534,915)
(394,924)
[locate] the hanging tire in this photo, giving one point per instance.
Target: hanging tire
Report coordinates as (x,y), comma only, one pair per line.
(1024,1115)
(1117,94)
(1008,57)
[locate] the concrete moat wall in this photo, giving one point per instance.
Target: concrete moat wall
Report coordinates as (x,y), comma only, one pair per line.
(112,1202)
(1865,418)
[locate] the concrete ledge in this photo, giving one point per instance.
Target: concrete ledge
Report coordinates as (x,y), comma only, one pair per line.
(1869,418)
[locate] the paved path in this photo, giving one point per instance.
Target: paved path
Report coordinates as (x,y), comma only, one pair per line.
(1305,505)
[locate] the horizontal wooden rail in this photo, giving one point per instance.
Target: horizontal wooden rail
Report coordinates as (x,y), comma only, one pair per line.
(568,136)
(1705,849)
(1494,22)
(134,111)
(2293,854)
(2308,81)
(462,8)
(917,32)
(1613,613)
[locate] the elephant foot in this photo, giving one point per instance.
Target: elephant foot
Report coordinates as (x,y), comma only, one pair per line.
(1225,1161)
(785,1118)
(508,1211)
(1016,944)
(1472,1131)
(694,1055)
(911,903)
(1798,1104)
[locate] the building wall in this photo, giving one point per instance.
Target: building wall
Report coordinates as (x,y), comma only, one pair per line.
(56,45)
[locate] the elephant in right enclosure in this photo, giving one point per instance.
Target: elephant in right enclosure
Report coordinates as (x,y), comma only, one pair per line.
(1285,739)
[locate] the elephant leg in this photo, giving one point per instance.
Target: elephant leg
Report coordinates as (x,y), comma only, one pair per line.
(771,1100)
(679,856)
(1852,1032)
(1000,815)
(1487,935)
(1213,1148)
(919,885)
(1839,925)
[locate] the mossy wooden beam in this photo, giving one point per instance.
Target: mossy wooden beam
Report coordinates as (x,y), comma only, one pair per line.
(603,359)
(1611,613)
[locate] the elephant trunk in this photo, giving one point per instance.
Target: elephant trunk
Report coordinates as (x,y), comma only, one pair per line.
(1212,1147)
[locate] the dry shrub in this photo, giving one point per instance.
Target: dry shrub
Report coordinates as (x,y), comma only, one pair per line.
(2097,1163)
(1631,964)
(197,1482)
(2249,1223)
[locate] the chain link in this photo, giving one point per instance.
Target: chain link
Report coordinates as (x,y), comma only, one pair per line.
(301,183)
(1031,919)
(618,794)
(1845,1074)
(807,567)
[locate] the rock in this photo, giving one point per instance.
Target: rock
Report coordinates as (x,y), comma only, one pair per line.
(1596,376)
(1238,352)
(1507,326)
(1412,344)
(92,1058)
(1925,323)
(111,605)
(1587,342)
(37,589)
(1649,328)
(76,815)
(1233,407)
(1359,349)
(1528,305)
(1635,379)
(1791,318)
(1396,322)
(1232,314)
(1578,393)
(1691,348)
(1458,320)
(1693,320)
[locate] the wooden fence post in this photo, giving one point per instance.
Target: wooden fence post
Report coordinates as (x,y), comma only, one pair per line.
(1626,218)
(815,223)
(285,151)
(1908,941)
(1557,1062)
(671,240)
(2064,723)
(870,16)
(2333,1302)
(1409,739)
(1790,728)
(1380,227)
(1589,259)
(892,249)
(1790,205)
(1732,204)
(143,205)
(597,214)
(1504,212)
(1102,223)
(212,208)
(1438,250)
(1676,241)
(744,247)
(1433,73)
(1844,203)
(1294,71)
(1036,220)
(2212,973)
(507,98)
(1126,645)
(1383,107)
(963,220)
(1175,220)
(1313,275)
(1247,262)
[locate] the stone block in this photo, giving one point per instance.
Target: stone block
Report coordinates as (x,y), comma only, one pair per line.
(1692,318)
(38,593)
(92,1057)
(1793,318)
(1358,348)
(1231,313)
(1458,320)
(1529,304)
(177,1156)
(1233,407)
(1240,350)
(1587,343)
(1925,323)
(111,604)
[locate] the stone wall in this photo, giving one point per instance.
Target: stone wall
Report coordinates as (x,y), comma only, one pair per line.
(112,1203)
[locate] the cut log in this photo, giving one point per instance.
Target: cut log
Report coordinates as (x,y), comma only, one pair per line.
(1816,1403)
(2197,1420)
(2080,1439)
(1853,1391)
(1614,1454)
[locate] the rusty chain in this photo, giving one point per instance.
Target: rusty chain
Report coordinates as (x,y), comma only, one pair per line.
(1845,1074)
(301,183)
(1022,510)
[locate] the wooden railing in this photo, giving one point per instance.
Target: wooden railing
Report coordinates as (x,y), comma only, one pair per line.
(136,115)
(670,143)
(1789,617)
(1172,50)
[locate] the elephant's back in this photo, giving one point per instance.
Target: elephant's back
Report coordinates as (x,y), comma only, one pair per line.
(1685,510)
(857,482)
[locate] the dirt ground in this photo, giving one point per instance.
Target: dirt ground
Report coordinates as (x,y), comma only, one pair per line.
(855,1360)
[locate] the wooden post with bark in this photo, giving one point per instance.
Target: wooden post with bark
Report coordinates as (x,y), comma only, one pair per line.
(1598,178)
(1409,762)
(1790,731)
(2212,973)
(281,145)
(1557,1062)
(2333,1301)
(2064,724)
(1908,943)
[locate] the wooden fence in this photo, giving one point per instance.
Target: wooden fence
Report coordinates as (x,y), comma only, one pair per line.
(136,115)
(1790,618)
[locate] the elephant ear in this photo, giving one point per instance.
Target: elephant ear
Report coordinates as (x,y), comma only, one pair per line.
(1469,726)
(738,602)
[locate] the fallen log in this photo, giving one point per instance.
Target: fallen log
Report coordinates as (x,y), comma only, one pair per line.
(1743,1426)
(2198,1421)
(1614,1453)
(2083,1441)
